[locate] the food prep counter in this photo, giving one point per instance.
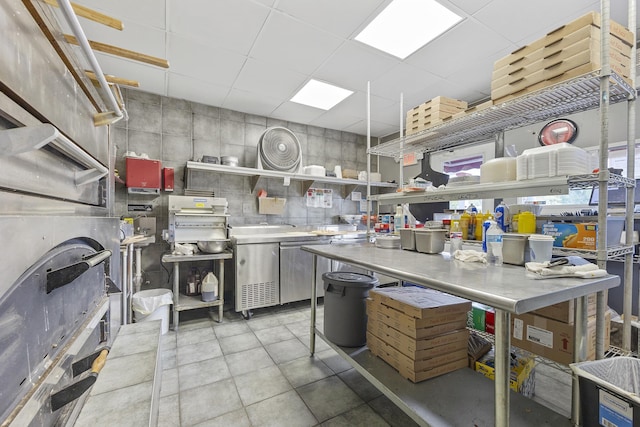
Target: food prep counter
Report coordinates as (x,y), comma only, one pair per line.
(269,266)
(448,400)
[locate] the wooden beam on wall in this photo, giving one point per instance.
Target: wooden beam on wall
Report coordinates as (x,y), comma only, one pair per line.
(118,51)
(112,79)
(92,15)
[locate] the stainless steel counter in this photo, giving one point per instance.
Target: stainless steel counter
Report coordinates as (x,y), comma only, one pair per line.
(294,236)
(507,288)
(183,302)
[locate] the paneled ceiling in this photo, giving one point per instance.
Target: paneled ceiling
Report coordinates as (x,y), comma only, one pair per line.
(254,55)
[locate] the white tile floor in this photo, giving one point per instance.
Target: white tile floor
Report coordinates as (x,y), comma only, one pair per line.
(259,373)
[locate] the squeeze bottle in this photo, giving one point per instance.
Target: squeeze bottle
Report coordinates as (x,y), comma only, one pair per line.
(455,241)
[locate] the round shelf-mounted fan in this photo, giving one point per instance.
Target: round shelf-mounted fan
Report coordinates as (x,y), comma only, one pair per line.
(279,150)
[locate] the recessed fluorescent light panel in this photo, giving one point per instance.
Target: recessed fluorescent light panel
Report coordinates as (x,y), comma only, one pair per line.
(404,26)
(320,95)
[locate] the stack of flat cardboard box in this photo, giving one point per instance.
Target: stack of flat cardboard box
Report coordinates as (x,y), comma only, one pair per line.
(565,53)
(550,332)
(420,332)
(432,112)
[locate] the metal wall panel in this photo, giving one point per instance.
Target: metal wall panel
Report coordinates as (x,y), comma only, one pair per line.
(35,73)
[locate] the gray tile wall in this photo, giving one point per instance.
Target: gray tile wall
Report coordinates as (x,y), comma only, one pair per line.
(176,131)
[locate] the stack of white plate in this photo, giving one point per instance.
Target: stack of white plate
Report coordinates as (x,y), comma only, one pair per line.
(388,242)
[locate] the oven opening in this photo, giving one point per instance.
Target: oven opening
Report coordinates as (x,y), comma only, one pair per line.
(43,330)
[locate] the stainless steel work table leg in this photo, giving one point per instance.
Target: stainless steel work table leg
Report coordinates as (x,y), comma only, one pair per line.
(176,289)
(220,288)
(503,366)
(314,306)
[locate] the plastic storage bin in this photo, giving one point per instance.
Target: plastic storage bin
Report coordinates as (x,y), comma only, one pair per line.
(408,239)
(152,304)
(609,391)
(345,308)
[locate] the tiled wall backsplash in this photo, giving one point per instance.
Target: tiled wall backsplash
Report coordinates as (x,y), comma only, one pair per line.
(176,131)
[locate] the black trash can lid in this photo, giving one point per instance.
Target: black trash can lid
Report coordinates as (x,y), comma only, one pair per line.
(345,278)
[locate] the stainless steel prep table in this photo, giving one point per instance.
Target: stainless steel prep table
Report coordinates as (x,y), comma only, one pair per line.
(461,397)
(184,302)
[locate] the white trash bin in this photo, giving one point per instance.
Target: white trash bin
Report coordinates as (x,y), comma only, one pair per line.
(152,304)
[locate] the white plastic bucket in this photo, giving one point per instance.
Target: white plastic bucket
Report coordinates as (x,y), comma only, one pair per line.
(152,304)
(541,247)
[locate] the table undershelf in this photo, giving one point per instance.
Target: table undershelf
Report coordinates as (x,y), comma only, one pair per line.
(460,398)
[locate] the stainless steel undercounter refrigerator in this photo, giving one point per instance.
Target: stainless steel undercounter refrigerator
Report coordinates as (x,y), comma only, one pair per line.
(462,397)
(270,268)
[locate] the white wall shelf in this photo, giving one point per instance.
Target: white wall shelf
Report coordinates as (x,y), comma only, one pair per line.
(308,181)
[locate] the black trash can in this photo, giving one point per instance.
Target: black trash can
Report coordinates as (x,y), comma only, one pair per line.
(345,307)
(609,391)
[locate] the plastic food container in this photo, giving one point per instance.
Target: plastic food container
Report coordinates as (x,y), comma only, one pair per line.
(388,242)
(498,170)
(515,248)
(314,170)
(430,240)
(229,160)
(408,239)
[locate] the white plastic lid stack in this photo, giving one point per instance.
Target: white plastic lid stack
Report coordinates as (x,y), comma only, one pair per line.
(553,160)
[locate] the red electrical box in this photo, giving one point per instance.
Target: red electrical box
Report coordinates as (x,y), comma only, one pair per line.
(167,179)
(143,175)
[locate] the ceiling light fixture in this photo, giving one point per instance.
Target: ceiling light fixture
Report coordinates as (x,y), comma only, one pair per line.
(320,95)
(404,26)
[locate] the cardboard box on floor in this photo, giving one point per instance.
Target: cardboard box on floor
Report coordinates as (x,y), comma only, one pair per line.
(551,339)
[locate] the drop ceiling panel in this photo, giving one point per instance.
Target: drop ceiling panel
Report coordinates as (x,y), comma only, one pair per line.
(143,12)
(523,21)
(338,17)
(262,78)
(212,64)
(467,6)
(356,105)
(377,129)
(458,49)
(293,45)
(332,120)
(232,25)
(184,87)
(293,112)
(151,79)
(478,82)
(403,78)
(353,64)
(248,102)
(136,37)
